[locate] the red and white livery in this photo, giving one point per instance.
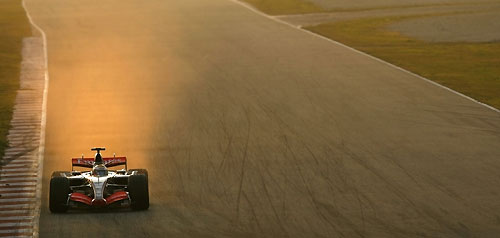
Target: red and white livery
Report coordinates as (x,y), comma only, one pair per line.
(100,187)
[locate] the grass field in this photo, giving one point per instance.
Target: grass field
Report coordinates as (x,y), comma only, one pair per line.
(13,27)
(470,68)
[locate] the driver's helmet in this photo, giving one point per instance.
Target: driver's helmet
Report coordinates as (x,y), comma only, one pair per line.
(98,159)
(100,171)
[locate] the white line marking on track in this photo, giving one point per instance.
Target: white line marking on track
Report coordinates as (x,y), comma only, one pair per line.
(17,174)
(31,190)
(17,179)
(15,153)
(17,232)
(19,200)
(24,140)
(13,163)
(14,149)
(20,169)
(16,217)
(16,224)
(12,184)
(19,159)
(251,8)
(11,174)
(18,165)
(18,193)
(13,212)
(20,236)
(17,206)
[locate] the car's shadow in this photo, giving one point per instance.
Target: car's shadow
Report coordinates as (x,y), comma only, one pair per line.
(102,210)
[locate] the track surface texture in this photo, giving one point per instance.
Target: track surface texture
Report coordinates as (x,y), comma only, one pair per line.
(252,128)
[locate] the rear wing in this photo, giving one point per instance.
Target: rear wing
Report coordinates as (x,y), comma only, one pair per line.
(89,162)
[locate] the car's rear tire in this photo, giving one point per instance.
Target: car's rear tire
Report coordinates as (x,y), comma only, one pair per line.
(138,191)
(60,174)
(58,197)
(139,171)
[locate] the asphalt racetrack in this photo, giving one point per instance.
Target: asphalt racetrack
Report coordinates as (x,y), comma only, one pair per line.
(252,128)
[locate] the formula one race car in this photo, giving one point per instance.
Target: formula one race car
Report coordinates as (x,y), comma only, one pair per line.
(100,187)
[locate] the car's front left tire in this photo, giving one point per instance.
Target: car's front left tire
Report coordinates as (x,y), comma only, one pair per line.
(58,196)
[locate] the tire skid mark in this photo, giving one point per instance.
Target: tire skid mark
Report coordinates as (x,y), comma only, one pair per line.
(252,209)
(452,194)
(270,201)
(311,196)
(242,173)
(420,209)
(284,127)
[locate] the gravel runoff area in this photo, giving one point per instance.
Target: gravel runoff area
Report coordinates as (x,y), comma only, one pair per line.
(348,4)
(456,21)
(477,27)
(328,17)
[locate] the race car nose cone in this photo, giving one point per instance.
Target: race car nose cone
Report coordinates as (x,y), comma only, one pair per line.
(99,202)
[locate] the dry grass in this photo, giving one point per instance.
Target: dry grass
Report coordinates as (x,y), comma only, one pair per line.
(13,27)
(285,7)
(470,68)
(291,7)
(354,6)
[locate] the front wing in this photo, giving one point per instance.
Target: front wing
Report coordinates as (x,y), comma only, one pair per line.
(119,199)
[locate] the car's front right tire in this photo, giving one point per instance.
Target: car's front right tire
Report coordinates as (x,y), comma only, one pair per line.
(138,191)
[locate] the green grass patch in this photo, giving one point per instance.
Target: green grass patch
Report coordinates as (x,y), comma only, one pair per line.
(13,27)
(285,7)
(470,68)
